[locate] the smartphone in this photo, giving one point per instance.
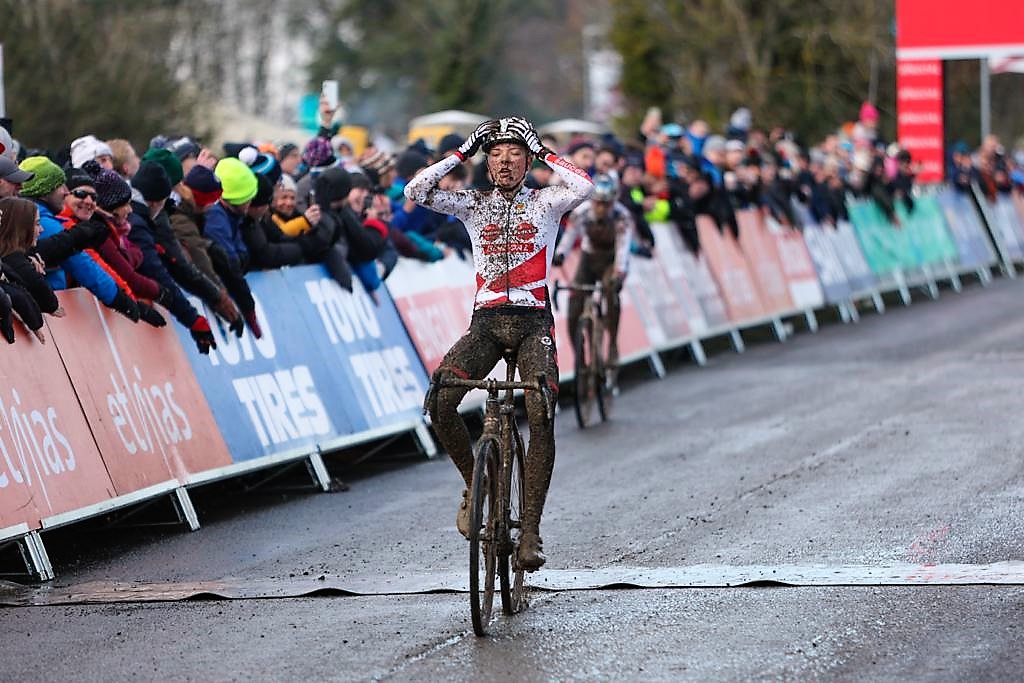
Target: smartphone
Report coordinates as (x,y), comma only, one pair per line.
(329,90)
(312,197)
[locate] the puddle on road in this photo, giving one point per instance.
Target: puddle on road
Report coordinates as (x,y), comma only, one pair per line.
(697,576)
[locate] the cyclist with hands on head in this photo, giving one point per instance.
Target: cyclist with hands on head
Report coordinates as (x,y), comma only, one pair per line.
(606,228)
(513,230)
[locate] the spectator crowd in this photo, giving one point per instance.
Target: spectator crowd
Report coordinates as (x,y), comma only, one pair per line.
(144,233)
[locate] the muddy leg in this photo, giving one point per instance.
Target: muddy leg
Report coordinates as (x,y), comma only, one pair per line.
(537,355)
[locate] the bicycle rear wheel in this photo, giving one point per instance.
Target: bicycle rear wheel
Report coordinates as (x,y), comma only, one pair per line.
(513,585)
(482,546)
(585,385)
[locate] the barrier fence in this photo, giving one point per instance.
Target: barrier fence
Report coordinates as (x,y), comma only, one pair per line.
(108,413)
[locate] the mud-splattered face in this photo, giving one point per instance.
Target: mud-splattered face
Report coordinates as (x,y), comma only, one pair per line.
(507,164)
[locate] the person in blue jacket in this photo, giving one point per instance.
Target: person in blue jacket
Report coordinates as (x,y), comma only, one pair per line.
(47,189)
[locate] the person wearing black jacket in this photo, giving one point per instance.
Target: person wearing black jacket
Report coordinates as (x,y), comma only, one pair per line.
(155,187)
(23,281)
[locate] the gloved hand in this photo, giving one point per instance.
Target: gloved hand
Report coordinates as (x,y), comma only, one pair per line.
(254,324)
(471,146)
(529,134)
(90,234)
(202,335)
(150,315)
(237,326)
(226,308)
(163,297)
(558,259)
(125,305)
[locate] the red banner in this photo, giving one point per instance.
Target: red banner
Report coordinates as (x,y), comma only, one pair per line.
(763,259)
(951,29)
(49,463)
(727,264)
(148,415)
(920,106)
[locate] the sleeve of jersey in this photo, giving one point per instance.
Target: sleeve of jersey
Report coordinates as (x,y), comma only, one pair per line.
(623,238)
(569,235)
(577,188)
(424,191)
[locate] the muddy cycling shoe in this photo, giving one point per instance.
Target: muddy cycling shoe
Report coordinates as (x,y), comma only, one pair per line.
(462,519)
(530,555)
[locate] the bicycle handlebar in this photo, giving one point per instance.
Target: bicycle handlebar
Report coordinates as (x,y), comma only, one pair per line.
(494,386)
(559,287)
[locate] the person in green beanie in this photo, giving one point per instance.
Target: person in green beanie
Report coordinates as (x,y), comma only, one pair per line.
(47,189)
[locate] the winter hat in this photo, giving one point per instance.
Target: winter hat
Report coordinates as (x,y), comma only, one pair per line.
(360,180)
(287,183)
(76,177)
(868,112)
(48,177)
(205,187)
(409,162)
(182,148)
(264,191)
(318,153)
(265,164)
(332,185)
(449,142)
(734,146)
(170,163)
(741,119)
(714,143)
(8,148)
(152,181)
(87,148)
(237,179)
(671,130)
(111,189)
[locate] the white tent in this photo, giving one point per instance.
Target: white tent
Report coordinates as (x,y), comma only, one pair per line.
(570,126)
(450,117)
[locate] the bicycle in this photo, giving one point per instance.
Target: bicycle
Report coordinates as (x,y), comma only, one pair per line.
(497,495)
(593,381)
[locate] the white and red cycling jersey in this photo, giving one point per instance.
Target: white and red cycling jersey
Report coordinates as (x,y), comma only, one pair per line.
(513,240)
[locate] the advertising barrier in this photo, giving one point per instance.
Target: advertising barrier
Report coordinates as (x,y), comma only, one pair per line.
(331,364)
(762,257)
(968,233)
(49,462)
(729,268)
(139,395)
(805,290)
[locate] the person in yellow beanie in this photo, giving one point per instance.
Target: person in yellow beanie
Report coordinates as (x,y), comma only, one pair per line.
(222,226)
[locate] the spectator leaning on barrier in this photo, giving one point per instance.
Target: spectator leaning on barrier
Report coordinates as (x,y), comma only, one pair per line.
(48,190)
(11,177)
(23,287)
(268,245)
(354,244)
(113,197)
(153,187)
(240,185)
(199,190)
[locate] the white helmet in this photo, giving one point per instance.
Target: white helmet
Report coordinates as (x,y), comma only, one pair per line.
(507,130)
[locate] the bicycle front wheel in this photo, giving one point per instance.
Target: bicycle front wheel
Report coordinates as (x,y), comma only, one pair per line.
(585,386)
(602,373)
(513,585)
(483,526)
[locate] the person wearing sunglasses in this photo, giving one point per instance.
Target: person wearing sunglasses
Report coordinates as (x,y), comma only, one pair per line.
(82,211)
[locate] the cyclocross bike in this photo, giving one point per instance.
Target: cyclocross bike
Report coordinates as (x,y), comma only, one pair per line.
(497,495)
(593,381)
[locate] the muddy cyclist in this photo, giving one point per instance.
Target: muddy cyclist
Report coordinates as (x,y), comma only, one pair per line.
(513,230)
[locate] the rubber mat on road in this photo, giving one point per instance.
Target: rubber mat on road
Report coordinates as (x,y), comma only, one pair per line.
(697,576)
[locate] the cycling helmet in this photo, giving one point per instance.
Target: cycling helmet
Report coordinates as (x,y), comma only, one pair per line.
(507,130)
(606,189)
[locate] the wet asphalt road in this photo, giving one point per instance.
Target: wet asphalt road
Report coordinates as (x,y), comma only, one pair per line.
(894,441)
